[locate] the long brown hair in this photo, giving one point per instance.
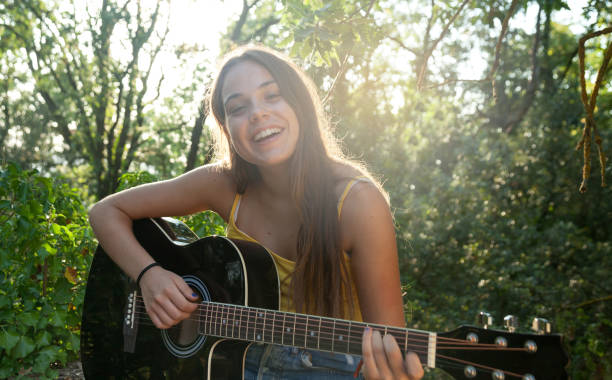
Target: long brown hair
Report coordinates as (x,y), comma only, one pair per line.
(320,279)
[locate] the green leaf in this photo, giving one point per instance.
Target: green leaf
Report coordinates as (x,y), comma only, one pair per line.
(56,228)
(43,338)
(43,358)
(29,319)
(24,347)
(8,339)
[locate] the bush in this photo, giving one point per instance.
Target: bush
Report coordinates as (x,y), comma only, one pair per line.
(46,247)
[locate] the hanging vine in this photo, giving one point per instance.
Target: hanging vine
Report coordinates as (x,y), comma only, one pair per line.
(590,128)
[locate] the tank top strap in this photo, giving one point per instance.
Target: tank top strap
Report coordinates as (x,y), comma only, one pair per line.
(235,206)
(347,189)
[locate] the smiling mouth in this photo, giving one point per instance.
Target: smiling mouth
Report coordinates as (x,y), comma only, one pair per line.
(265,134)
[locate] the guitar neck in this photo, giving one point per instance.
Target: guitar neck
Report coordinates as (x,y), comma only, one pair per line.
(305,331)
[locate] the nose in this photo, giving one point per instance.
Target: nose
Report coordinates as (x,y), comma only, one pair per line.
(258,111)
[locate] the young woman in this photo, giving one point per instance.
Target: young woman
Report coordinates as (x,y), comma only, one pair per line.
(280,181)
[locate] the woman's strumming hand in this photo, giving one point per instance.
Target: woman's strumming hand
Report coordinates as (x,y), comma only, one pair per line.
(167,297)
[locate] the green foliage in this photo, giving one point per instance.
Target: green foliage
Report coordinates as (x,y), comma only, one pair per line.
(45,250)
(324,32)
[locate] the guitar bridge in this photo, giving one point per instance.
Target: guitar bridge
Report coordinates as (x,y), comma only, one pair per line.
(130,324)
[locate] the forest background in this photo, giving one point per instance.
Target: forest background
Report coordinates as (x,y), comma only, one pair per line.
(483,118)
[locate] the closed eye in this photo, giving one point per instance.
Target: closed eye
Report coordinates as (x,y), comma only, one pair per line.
(236,110)
(273,96)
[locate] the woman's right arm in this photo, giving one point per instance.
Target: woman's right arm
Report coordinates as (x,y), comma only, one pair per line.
(167,297)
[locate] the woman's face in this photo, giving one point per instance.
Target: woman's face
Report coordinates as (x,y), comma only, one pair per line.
(262,126)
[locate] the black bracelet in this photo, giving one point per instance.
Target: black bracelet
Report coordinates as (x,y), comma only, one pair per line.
(144,270)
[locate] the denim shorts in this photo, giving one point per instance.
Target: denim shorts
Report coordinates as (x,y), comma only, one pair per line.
(271,362)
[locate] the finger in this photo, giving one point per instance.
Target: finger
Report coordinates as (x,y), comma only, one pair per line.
(413,366)
(165,308)
(155,319)
(186,290)
(394,357)
(159,318)
(180,301)
(380,356)
(369,365)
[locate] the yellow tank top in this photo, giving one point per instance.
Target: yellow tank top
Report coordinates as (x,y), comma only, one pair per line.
(286,267)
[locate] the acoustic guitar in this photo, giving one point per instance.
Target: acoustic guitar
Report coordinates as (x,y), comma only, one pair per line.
(240,294)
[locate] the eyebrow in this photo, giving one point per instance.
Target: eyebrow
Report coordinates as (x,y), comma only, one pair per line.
(264,84)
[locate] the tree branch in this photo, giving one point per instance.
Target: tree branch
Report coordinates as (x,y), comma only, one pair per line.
(498,45)
(531,87)
(436,42)
(589,106)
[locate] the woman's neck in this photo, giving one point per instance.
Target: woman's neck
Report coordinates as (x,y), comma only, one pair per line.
(275,181)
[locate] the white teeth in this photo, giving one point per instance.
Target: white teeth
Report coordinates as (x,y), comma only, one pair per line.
(265,133)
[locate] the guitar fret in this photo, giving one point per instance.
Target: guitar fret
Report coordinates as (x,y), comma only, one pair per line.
(210,319)
(218,320)
(312,337)
(234,323)
(333,336)
(293,340)
(243,326)
(254,325)
(406,343)
(306,332)
(226,320)
(354,346)
(326,334)
(283,330)
(202,326)
(319,335)
(277,328)
(263,327)
(348,339)
(273,318)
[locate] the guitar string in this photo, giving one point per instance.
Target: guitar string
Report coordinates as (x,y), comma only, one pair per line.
(325,340)
(301,328)
(485,369)
(299,322)
(451,361)
(397,330)
(507,373)
(341,325)
(216,328)
(398,333)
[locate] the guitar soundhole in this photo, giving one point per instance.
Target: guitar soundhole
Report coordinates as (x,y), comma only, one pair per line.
(185,333)
(184,339)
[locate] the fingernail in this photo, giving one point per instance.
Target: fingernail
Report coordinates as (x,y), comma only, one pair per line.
(194,295)
(368,328)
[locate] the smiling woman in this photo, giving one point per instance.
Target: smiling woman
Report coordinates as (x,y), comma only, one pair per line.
(279,181)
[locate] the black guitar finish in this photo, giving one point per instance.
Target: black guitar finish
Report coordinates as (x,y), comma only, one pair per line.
(239,287)
(214,263)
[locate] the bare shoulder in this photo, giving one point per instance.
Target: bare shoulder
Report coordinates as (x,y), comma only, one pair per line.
(364,211)
(344,173)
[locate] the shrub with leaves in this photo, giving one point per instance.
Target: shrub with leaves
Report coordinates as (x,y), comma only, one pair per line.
(46,247)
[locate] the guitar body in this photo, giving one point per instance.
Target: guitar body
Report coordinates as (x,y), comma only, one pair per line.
(218,269)
(239,290)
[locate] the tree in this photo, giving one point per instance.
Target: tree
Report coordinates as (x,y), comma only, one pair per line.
(95,101)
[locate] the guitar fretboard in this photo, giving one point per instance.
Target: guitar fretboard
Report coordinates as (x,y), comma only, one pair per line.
(307,331)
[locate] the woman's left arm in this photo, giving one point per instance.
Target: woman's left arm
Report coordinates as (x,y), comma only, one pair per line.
(368,234)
